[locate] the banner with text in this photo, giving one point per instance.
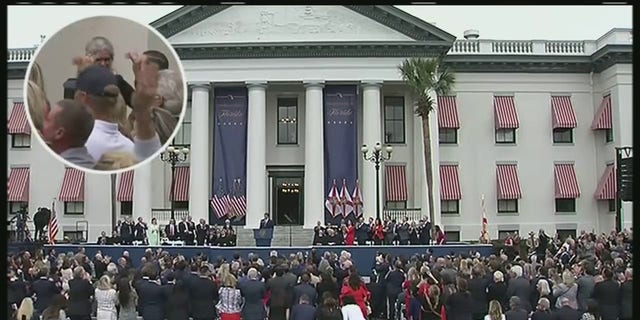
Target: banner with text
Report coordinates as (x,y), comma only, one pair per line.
(341,151)
(228,199)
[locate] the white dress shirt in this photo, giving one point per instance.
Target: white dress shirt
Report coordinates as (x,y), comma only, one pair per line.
(352,312)
(105,137)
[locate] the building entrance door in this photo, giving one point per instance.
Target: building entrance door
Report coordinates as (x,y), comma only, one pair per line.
(287,200)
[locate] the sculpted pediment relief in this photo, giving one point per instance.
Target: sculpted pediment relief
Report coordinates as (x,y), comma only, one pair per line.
(240,24)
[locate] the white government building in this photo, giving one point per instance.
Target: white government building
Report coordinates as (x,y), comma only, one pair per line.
(531,124)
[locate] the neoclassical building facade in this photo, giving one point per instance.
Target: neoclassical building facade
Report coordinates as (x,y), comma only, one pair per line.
(531,126)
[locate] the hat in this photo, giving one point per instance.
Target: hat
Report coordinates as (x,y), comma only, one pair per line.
(94,79)
(273,253)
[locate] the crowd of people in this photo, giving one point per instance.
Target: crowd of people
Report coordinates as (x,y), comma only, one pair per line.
(379,232)
(104,123)
(595,282)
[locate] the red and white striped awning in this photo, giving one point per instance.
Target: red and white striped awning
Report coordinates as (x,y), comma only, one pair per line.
(448,113)
(603,115)
(606,189)
(125,187)
(72,189)
(18,185)
(566,182)
(395,182)
(505,113)
(508,183)
(181,185)
(449,182)
(562,113)
(18,123)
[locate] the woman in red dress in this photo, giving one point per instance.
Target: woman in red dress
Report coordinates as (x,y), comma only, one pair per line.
(378,232)
(440,236)
(356,288)
(350,234)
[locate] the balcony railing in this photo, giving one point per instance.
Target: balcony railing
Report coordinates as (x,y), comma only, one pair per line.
(164,215)
(413,214)
(20,54)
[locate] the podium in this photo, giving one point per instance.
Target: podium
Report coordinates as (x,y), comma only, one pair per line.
(263,237)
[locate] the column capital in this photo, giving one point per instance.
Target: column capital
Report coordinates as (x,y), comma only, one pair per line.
(313,83)
(371,83)
(200,85)
(256,84)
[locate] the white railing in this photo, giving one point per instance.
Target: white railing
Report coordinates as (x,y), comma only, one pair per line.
(540,47)
(20,54)
(164,215)
(413,214)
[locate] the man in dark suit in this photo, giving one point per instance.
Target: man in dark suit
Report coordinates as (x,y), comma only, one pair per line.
(151,294)
(202,230)
(126,231)
(204,295)
(362,231)
(16,290)
(303,309)
(565,312)
(403,231)
(102,239)
(44,289)
(520,287)
(304,289)
(607,294)
(478,290)
(253,290)
(80,294)
(171,230)
(191,232)
(424,231)
(626,295)
(585,283)
(516,312)
(266,222)
(182,229)
(140,230)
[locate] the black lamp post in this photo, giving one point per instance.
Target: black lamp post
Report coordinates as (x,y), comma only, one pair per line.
(376,157)
(174,156)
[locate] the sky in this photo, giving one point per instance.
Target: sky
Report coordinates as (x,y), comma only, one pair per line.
(25,24)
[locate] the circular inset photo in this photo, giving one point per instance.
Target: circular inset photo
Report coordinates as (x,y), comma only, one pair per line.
(105,94)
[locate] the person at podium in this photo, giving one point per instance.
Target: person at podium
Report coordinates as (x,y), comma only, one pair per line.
(266,223)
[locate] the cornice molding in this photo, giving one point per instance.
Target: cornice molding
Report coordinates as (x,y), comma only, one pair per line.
(184,18)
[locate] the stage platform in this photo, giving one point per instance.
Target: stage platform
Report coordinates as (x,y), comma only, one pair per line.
(362,256)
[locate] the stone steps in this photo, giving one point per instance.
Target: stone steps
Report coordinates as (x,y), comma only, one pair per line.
(299,236)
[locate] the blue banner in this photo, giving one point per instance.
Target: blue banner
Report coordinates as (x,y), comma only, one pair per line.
(229,156)
(341,150)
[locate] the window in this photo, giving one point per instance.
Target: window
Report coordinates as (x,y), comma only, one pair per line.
(74,208)
(508,206)
(502,234)
(563,135)
(505,135)
(612,205)
(126,208)
(181,205)
(608,135)
(287,120)
(20,141)
(183,136)
(565,205)
(17,206)
(393,119)
(449,206)
(74,236)
(563,234)
(452,236)
(448,136)
(396,205)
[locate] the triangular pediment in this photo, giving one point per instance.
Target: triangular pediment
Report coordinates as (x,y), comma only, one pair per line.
(294,24)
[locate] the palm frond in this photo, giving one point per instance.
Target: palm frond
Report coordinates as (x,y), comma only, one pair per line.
(426,75)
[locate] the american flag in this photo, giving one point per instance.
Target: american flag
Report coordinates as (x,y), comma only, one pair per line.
(332,200)
(345,199)
(237,201)
(357,200)
(219,202)
(484,235)
(53,224)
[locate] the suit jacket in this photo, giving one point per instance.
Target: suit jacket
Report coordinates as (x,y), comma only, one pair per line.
(140,231)
(607,294)
(403,231)
(253,291)
(80,293)
(178,305)
(478,290)
(126,232)
(281,293)
(303,312)
(520,287)
(518,314)
(566,313)
(167,231)
(266,224)
(585,290)
(626,300)
(201,232)
(498,291)
(17,290)
(182,227)
(542,315)
(302,289)
(204,296)
(151,300)
(44,289)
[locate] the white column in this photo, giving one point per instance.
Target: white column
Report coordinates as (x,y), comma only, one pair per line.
(371,134)
(199,176)
(256,154)
(142,198)
(314,193)
(435,160)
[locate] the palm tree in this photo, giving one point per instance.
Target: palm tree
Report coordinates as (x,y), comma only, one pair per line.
(426,76)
